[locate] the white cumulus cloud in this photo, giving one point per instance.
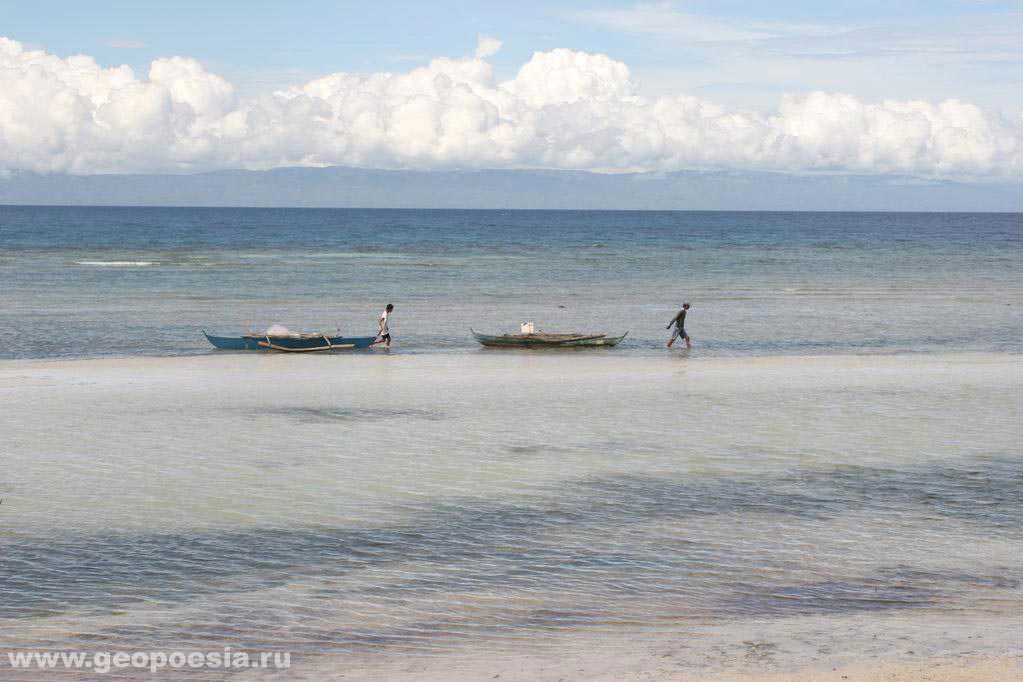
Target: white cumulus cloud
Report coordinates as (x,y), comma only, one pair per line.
(487,46)
(563,109)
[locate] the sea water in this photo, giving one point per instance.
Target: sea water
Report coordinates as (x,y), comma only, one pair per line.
(833,470)
(130,281)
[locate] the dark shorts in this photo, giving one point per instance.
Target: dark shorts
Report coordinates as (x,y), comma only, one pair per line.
(679,332)
(385,337)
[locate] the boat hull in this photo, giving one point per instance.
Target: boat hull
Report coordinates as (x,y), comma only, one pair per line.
(537,341)
(290,344)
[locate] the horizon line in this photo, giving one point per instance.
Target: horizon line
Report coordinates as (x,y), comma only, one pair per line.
(502,210)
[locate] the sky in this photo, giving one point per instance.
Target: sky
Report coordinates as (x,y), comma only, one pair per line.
(925,89)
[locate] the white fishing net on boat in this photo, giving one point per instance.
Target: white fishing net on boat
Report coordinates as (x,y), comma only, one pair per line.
(279,330)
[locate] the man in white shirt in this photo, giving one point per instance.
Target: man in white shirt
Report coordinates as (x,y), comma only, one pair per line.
(385,334)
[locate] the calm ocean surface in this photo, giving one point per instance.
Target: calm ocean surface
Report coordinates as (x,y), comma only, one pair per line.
(839,455)
(129,281)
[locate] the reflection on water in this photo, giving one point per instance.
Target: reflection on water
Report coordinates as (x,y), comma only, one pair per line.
(603,537)
(342,415)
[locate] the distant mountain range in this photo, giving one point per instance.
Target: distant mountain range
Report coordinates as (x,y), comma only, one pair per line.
(512,189)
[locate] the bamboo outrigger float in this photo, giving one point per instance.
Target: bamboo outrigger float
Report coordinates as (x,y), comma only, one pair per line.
(539,339)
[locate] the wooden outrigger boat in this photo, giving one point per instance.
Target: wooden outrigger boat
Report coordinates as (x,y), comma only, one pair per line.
(548,340)
(290,343)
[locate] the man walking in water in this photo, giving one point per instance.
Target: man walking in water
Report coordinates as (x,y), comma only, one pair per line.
(680,327)
(385,334)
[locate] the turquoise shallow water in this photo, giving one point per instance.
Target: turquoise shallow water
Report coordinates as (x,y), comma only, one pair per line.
(355,510)
(128,281)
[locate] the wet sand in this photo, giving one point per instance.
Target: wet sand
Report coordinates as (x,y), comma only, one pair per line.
(956,669)
(867,647)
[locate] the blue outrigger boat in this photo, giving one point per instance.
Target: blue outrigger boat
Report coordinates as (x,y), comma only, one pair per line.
(290,343)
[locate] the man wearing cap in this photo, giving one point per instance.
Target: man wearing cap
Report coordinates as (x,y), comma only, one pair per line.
(680,327)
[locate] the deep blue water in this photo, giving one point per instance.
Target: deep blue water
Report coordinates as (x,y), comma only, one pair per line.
(125,281)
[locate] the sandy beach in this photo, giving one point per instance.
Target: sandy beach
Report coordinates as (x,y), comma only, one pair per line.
(865,649)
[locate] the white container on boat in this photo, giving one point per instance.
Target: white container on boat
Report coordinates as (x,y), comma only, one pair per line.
(528,328)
